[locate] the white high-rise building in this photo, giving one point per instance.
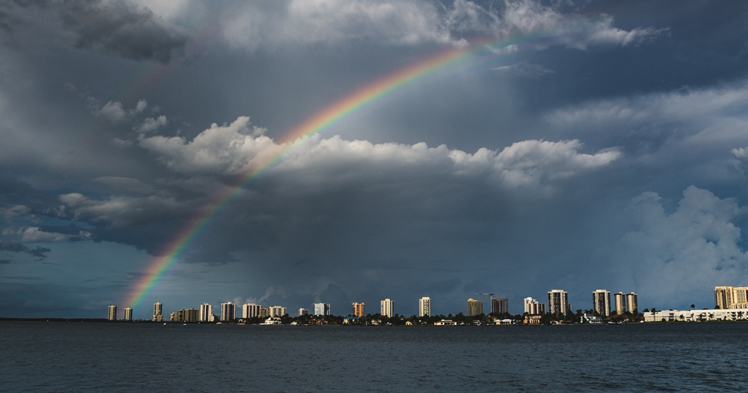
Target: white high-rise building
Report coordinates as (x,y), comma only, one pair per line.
(620,301)
(228,311)
(601,302)
(632,303)
(424,307)
(533,307)
(387,308)
(112,312)
(321,309)
(128,314)
(158,312)
(251,310)
(303,311)
(558,302)
(205,313)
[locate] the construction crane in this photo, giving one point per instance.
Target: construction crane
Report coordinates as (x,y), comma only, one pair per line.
(490,295)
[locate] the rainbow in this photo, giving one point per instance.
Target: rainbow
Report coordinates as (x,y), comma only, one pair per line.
(315,124)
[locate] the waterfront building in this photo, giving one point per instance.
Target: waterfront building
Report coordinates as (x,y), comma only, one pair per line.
(499,306)
(112,312)
(264,312)
(191,315)
(251,310)
(533,307)
(174,317)
(620,302)
(228,311)
(387,308)
(205,312)
(632,303)
(303,311)
(474,307)
(277,311)
(601,302)
(128,314)
(729,297)
(158,312)
(558,302)
(424,307)
(358,309)
(696,315)
(321,309)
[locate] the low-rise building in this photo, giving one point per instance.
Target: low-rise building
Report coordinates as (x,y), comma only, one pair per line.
(695,315)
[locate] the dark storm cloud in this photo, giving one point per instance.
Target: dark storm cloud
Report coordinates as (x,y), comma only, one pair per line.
(115,27)
(38,251)
(562,164)
(4,261)
(123,29)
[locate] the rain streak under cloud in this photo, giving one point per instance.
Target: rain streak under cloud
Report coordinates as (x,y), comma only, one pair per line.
(574,146)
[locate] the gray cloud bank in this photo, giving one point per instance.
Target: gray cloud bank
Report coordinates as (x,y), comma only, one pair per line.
(603,149)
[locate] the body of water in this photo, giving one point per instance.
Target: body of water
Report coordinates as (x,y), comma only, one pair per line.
(88,356)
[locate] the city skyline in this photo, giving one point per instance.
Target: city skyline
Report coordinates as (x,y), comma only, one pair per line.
(295,152)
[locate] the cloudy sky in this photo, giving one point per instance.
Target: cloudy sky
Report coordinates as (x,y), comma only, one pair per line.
(576,145)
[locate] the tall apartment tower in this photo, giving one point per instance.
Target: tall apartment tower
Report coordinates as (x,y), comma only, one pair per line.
(601,302)
(534,307)
(729,297)
(321,309)
(158,312)
(128,314)
(632,303)
(358,309)
(205,313)
(112,312)
(558,302)
(277,311)
(303,311)
(499,306)
(228,311)
(251,310)
(474,307)
(620,302)
(424,307)
(387,308)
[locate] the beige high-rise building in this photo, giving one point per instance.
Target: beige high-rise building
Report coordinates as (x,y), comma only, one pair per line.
(264,313)
(228,311)
(358,309)
(601,302)
(277,311)
(205,312)
(158,312)
(128,314)
(387,308)
(558,302)
(303,311)
(112,312)
(251,310)
(620,302)
(729,297)
(474,307)
(424,307)
(632,303)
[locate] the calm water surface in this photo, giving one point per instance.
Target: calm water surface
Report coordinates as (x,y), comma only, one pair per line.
(58,357)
